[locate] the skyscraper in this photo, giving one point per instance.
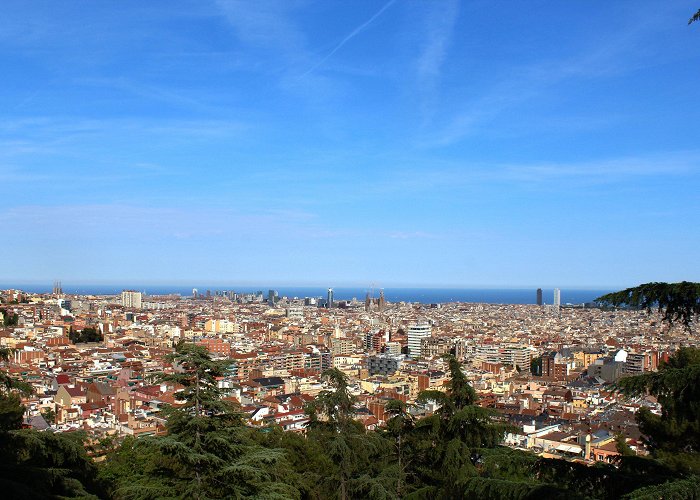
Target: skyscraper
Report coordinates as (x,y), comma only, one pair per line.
(131,299)
(416,333)
(557,298)
(329,302)
(539,296)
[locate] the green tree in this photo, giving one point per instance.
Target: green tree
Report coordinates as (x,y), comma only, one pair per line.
(452,438)
(679,302)
(399,425)
(622,447)
(39,464)
(676,385)
(49,415)
(207,453)
(9,318)
(350,449)
(334,406)
(88,334)
(695,17)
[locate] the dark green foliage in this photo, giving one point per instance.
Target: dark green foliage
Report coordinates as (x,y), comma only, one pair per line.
(201,457)
(622,447)
(536,366)
(496,489)
(679,302)
(679,489)
(352,454)
(45,465)
(449,441)
(334,407)
(49,415)
(677,387)
(695,17)
(38,464)
(9,318)
(454,453)
(11,412)
(207,452)
(197,372)
(11,409)
(88,334)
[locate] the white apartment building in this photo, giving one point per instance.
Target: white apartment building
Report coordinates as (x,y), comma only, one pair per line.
(415,334)
(131,299)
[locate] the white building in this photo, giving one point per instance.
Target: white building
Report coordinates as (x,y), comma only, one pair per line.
(131,299)
(557,298)
(415,334)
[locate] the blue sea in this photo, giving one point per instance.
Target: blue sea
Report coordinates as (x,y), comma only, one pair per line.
(422,295)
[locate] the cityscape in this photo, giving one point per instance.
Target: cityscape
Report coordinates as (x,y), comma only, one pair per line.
(546,369)
(367,250)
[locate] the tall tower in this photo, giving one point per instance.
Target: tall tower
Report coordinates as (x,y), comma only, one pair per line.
(416,333)
(557,298)
(329,302)
(382,300)
(539,296)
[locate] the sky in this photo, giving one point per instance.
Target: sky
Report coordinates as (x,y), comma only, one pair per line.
(400,143)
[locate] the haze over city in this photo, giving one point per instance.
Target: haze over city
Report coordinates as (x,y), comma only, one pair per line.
(348,143)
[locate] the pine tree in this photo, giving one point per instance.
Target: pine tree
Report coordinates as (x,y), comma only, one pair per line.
(207,453)
(679,302)
(357,457)
(38,464)
(677,388)
(453,437)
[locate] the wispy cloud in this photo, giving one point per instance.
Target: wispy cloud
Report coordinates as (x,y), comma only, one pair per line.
(157,93)
(609,55)
(440,23)
(359,29)
(268,25)
(410,235)
(429,176)
(606,170)
(126,220)
(280,48)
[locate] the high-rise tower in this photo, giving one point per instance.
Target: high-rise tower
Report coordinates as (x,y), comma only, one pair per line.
(557,298)
(329,302)
(416,333)
(272,297)
(539,296)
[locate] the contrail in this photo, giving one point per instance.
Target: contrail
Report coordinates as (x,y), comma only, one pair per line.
(352,35)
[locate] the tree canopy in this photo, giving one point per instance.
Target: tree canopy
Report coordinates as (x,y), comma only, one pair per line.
(207,452)
(39,464)
(694,17)
(456,452)
(679,302)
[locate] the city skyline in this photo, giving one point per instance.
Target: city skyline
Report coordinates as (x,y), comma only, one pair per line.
(405,143)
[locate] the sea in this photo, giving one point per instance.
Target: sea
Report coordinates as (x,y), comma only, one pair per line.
(420,295)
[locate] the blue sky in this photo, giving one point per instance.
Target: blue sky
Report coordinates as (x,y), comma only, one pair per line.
(346,143)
